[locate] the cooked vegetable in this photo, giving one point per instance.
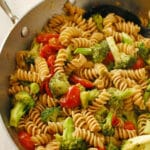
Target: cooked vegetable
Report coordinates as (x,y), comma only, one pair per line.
(144,53)
(68,141)
(72,98)
(35,88)
(98,19)
(59,84)
(117,96)
(24,102)
(50,114)
(88,96)
(122,60)
(107,128)
(127,39)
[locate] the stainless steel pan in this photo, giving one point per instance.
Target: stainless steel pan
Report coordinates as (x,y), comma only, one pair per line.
(33,22)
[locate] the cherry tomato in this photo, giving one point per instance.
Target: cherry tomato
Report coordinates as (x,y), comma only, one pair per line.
(25,140)
(109,58)
(129,125)
(51,61)
(72,98)
(45,87)
(46,51)
(101,148)
(44,37)
(55,44)
(138,64)
(84,82)
(115,121)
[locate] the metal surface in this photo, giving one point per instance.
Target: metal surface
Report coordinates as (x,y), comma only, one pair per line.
(35,20)
(8,11)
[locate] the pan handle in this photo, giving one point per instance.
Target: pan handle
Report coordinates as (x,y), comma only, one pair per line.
(8,11)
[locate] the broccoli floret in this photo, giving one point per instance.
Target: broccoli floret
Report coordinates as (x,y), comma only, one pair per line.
(50,114)
(59,84)
(107,128)
(68,142)
(33,53)
(111,146)
(126,38)
(98,19)
(117,96)
(84,51)
(23,103)
(130,116)
(100,51)
(34,88)
(144,53)
(147,94)
(122,60)
(101,114)
(87,96)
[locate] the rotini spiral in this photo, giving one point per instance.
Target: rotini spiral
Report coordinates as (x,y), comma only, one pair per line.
(41,139)
(101,100)
(60,60)
(92,123)
(55,127)
(96,140)
(121,133)
(24,75)
(41,68)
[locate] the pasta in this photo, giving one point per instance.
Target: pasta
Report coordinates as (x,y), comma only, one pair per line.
(76,76)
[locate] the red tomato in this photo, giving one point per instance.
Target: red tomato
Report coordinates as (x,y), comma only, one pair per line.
(109,58)
(72,98)
(129,125)
(115,121)
(51,61)
(45,87)
(138,64)
(84,82)
(101,148)
(55,44)
(44,37)
(25,140)
(46,51)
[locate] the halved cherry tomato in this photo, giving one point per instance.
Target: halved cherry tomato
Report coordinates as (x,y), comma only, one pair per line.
(138,64)
(51,61)
(129,125)
(44,37)
(25,140)
(115,121)
(72,98)
(101,148)
(46,51)
(109,58)
(84,82)
(45,87)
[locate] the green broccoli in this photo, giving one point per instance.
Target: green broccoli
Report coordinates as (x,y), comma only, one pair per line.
(50,114)
(100,51)
(147,93)
(87,96)
(101,114)
(23,103)
(98,19)
(107,128)
(111,146)
(127,39)
(34,88)
(144,53)
(117,96)
(59,84)
(122,60)
(33,53)
(68,142)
